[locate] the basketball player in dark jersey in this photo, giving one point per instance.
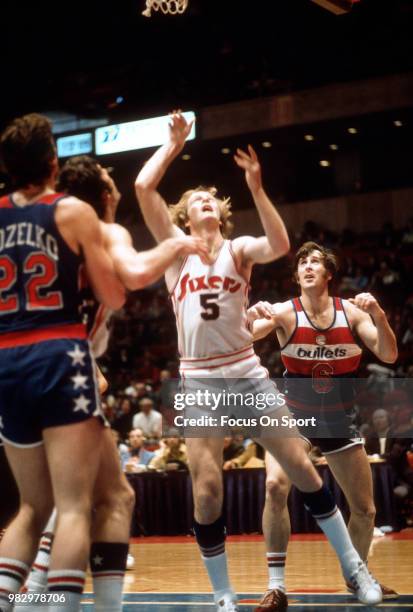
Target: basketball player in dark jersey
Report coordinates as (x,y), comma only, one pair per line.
(48,393)
(316,333)
(113,502)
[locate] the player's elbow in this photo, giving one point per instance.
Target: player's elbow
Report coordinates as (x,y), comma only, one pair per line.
(284,245)
(116,300)
(142,185)
(391,356)
(281,247)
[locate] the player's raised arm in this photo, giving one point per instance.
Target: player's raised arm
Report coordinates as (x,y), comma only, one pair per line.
(275,243)
(378,336)
(153,206)
(137,270)
(80,227)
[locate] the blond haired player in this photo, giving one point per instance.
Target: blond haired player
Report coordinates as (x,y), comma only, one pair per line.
(210,300)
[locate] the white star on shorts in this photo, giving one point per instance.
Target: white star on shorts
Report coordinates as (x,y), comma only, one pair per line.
(77,356)
(79,381)
(81,404)
(98,560)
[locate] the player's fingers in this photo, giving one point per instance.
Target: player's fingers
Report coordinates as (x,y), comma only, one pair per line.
(240,162)
(252,152)
(243,154)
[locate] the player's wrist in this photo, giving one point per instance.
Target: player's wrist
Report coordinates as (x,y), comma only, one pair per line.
(257,191)
(175,147)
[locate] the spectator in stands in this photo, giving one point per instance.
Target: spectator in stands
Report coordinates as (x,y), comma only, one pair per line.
(148,419)
(171,455)
(137,458)
(407,237)
(232,448)
(123,448)
(386,283)
(124,421)
(380,440)
(247,459)
(407,338)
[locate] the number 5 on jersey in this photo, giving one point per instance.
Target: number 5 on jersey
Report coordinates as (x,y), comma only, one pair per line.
(209,305)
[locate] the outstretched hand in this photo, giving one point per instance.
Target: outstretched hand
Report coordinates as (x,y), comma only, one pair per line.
(192,245)
(249,162)
(367,303)
(179,128)
(260,310)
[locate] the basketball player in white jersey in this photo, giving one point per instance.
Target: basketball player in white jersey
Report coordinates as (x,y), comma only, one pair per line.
(210,299)
(113,496)
(316,333)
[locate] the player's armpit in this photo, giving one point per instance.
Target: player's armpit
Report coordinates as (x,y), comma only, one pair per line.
(255,250)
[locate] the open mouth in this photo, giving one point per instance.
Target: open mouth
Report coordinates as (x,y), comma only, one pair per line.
(309,277)
(207,208)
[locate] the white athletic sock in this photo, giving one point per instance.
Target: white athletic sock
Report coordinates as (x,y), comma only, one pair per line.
(218,574)
(68,584)
(108,565)
(276,570)
(336,531)
(12,576)
(37,580)
(108,592)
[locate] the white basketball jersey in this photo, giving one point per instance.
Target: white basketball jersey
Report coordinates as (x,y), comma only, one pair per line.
(99,331)
(210,304)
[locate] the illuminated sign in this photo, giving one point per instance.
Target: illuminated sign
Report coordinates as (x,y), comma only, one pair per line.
(136,134)
(78,144)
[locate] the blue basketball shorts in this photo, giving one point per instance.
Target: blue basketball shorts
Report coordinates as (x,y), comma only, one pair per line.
(46,384)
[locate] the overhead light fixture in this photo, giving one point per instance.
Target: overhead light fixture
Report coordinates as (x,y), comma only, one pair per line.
(225,151)
(324,163)
(333,147)
(185,157)
(309,137)
(352,130)
(266,144)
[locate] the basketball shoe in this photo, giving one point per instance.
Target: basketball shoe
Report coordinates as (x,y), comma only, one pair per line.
(227,604)
(273,600)
(364,586)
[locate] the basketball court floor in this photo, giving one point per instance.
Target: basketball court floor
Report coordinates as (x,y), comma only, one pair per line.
(169,575)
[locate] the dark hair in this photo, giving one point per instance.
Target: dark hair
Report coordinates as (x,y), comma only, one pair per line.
(27,150)
(328,257)
(81,176)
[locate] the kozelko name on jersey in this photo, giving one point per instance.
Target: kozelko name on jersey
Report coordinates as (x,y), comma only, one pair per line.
(28,234)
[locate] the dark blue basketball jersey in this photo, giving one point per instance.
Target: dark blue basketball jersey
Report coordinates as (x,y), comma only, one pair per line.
(39,273)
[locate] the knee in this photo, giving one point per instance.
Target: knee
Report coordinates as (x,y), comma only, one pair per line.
(120,499)
(36,517)
(208,499)
(276,490)
(364,511)
(127,498)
